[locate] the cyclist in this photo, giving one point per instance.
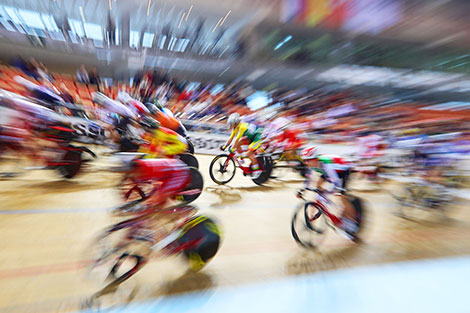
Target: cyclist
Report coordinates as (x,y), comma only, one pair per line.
(335,170)
(249,132)
(168,176)
(290,140)
(166,119)
(161,141)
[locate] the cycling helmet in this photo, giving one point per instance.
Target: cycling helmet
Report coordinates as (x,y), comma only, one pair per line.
(149,123)
(158,104)
(233,119)
(309,153)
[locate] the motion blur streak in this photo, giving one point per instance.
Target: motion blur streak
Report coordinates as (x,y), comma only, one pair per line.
(203,154)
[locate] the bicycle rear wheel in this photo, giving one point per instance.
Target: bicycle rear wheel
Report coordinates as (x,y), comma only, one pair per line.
(308,226)
(195,187)
(74,158)
(189,159)
(267,165)
(201,241)
(220,173)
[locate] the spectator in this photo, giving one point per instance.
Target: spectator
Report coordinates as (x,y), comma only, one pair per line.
(82,75)
(95,79)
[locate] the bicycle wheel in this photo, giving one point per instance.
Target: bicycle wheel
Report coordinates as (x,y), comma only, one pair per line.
(359,209)
(74,158)
(220,173)
(190,146)
(118,253)
(195,187)
(200,241)
(189,159)
(267,165)
(301,169)
(308,225)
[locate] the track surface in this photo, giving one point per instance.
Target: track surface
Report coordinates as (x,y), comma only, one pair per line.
(47,224)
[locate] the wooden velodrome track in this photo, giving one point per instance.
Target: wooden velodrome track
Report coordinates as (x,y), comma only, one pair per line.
(47,224)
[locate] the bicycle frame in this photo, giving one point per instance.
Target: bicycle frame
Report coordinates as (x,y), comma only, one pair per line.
(245,169)
(166,246)
(322,205)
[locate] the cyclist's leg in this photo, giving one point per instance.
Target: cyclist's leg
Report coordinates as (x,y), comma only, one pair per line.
(171,185)
(252,148)
(348,210)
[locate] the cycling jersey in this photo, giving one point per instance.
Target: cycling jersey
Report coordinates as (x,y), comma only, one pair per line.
(291,138)
(249,131)
(333,168)
(164,141)
(172,174)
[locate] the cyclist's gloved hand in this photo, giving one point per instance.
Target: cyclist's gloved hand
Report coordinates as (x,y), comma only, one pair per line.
(222,148)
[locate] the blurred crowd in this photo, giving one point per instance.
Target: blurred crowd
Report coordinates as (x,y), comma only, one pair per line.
(328,115)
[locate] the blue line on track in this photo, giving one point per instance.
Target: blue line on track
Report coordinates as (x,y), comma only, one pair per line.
(429,286)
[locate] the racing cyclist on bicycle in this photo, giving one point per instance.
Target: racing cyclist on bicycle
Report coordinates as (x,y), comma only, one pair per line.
(335,170)
(290,140)
(245,131)
(161,141)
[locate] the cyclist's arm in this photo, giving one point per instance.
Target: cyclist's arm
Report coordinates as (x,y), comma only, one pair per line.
(229,141)
(241,131)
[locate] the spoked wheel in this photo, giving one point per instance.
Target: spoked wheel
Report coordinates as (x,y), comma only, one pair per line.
(118,253)
(309,225)
(74,160)
(132,189)
(189,159)
(411,204)
(360,213)
(267,165)
(194,189)
(222,169)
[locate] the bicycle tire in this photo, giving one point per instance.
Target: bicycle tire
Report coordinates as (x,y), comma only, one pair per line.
(312,238)
(197,183)
(358,207)
(70,170)
(190,146)
(211,169)
(206,236)
(267,170)
(189,159)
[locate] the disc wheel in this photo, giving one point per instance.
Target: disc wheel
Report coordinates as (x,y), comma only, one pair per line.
(194,188)
(268,168)
(308,226)
(190,146)
(189,159)
(201,240)
(74,158)
(220,174)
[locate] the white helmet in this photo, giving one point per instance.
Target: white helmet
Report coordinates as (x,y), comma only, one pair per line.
(233,119)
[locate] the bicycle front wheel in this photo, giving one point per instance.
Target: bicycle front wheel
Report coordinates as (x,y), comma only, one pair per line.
(308,225)
(222,169)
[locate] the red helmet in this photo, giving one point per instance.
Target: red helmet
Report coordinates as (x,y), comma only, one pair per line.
(309,153)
